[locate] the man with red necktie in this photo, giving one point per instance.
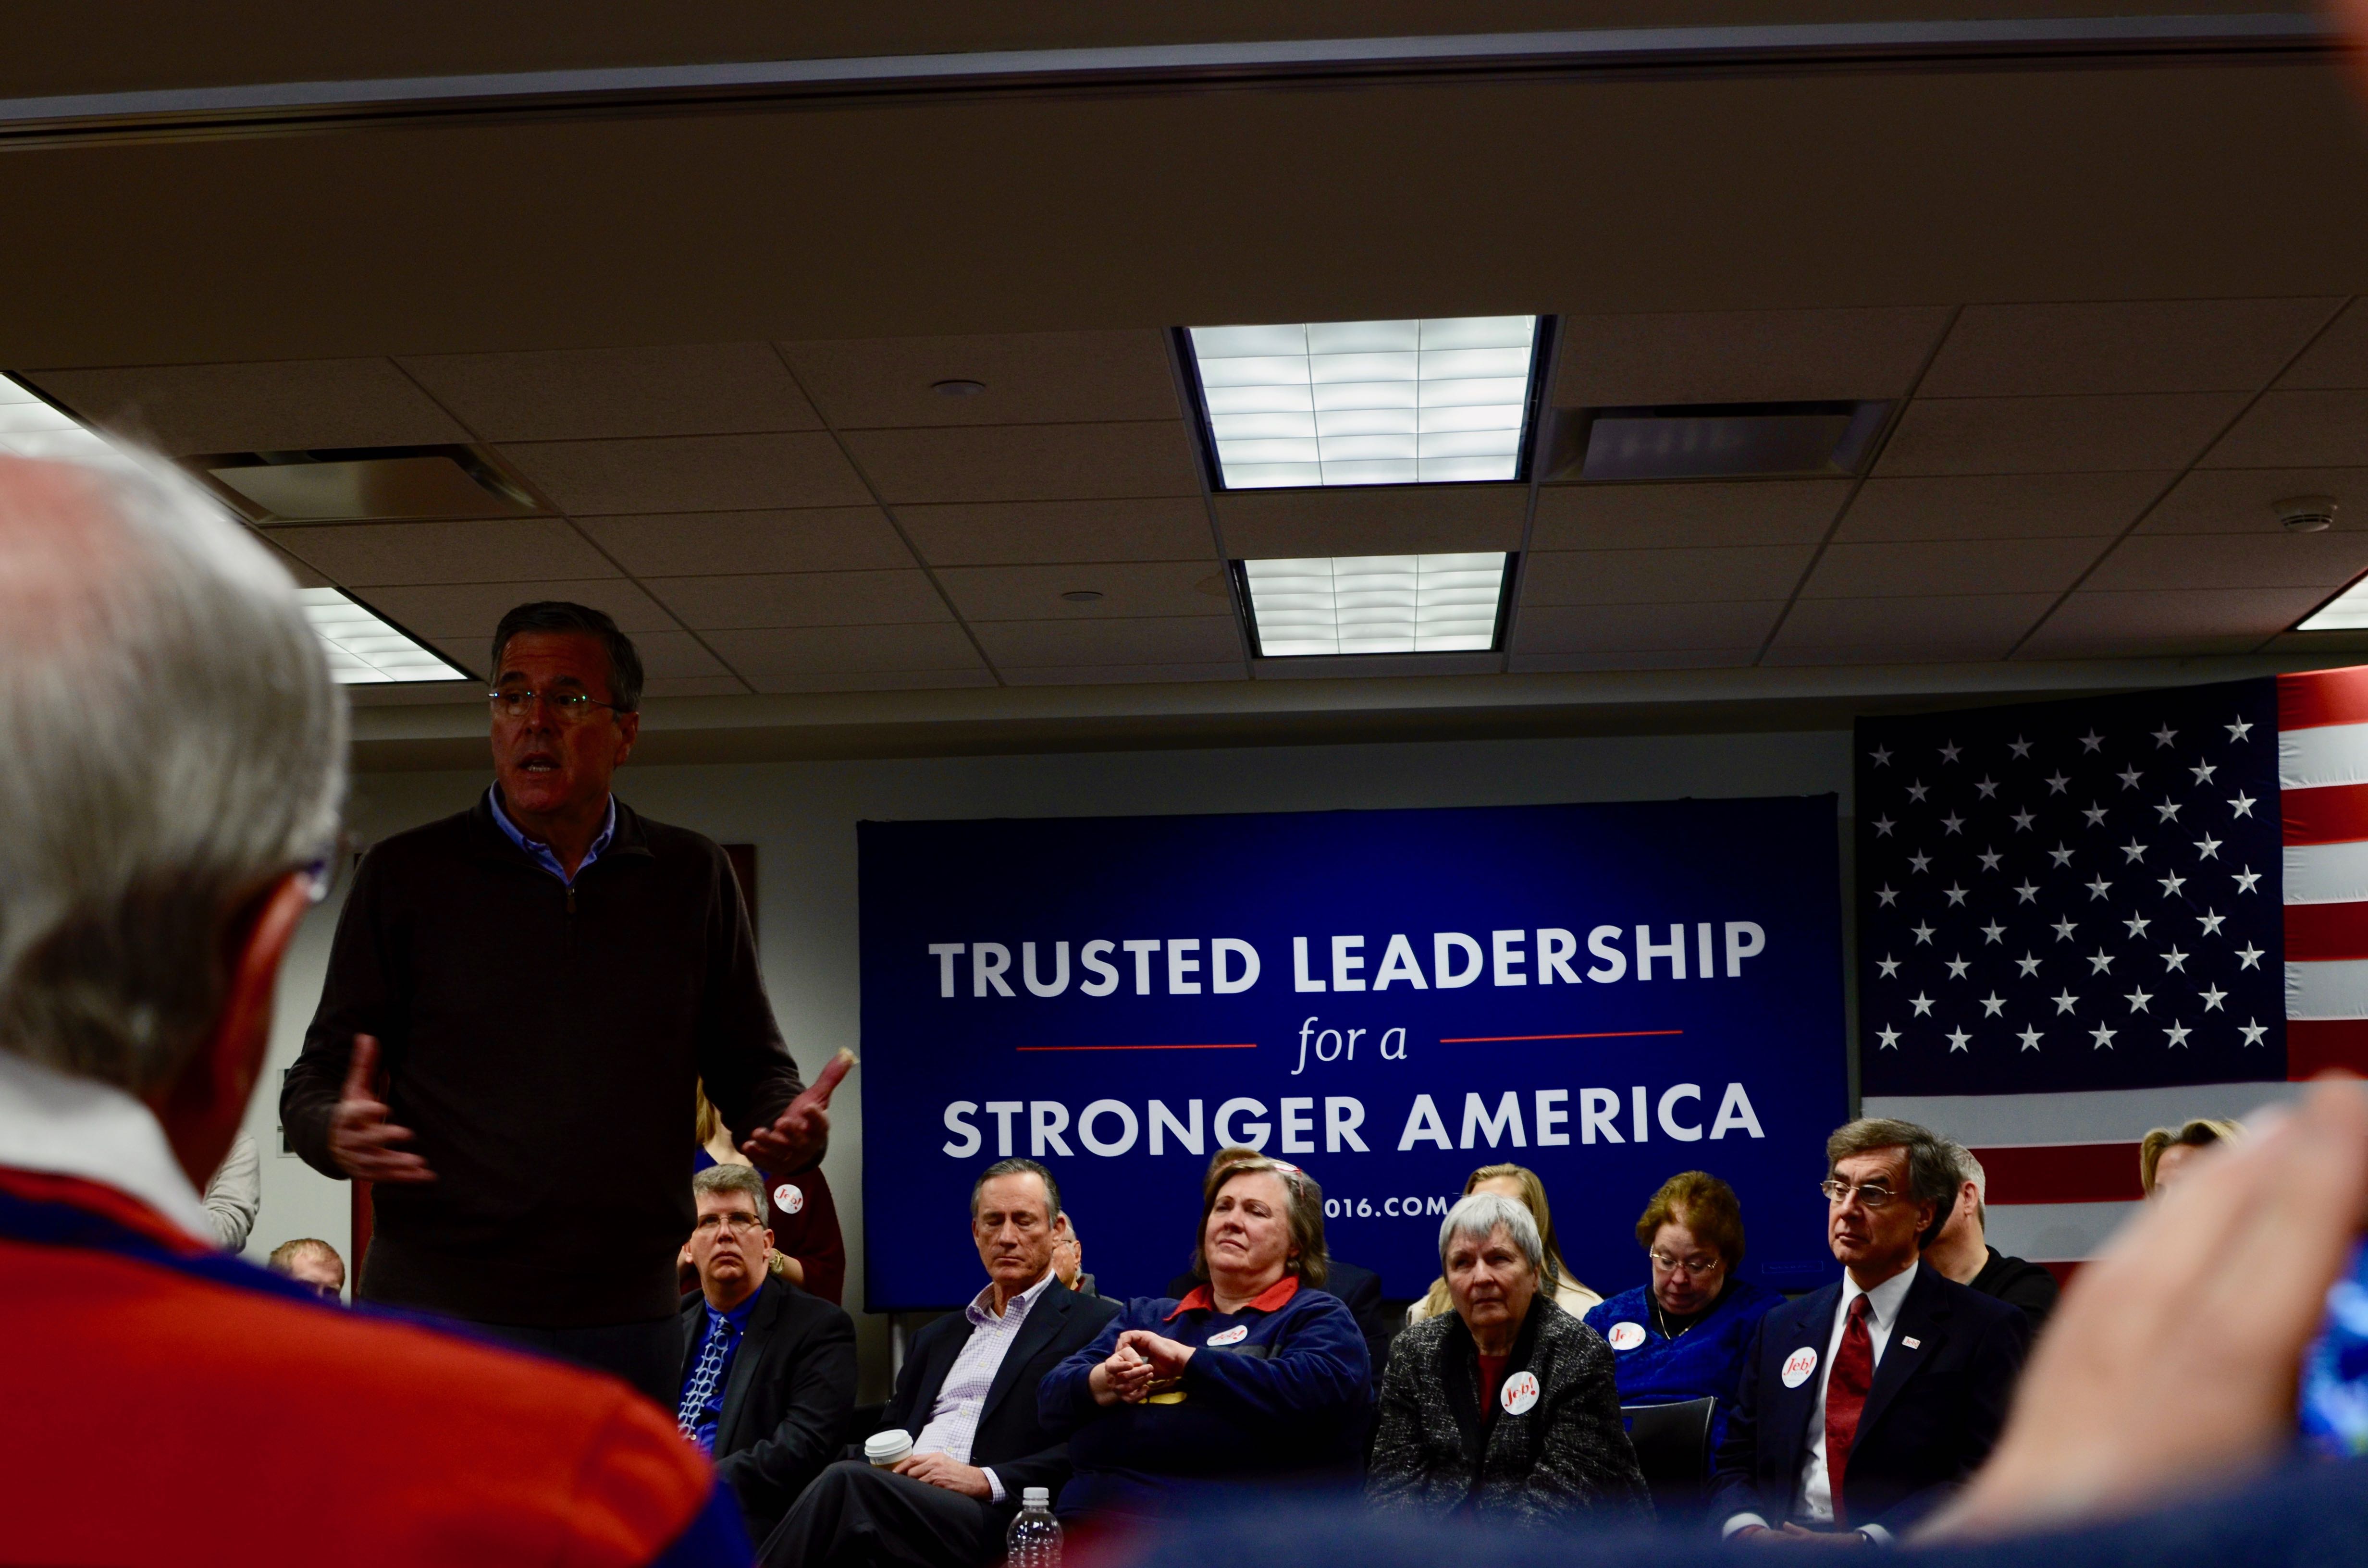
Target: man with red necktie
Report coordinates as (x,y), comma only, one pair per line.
(1863,1404)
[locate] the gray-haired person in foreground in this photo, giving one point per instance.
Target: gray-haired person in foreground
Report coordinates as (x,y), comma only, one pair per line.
(1506,1406)
(171,757)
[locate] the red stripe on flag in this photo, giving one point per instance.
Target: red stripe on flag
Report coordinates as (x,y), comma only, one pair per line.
(2061,1173)
(2315,698)
(2326,931)
(2331,814)
(2315,1045)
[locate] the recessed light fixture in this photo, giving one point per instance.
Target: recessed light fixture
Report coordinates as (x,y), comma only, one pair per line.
(1082,595)
(364,650)
(1376,604)
(957,388)
(357,484)
(1441,400)
(361,648)
(31,428)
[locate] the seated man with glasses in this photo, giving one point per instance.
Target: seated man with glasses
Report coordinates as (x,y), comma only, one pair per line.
(1865,1405)
(768,1370)
(546,972)
(1684,1336)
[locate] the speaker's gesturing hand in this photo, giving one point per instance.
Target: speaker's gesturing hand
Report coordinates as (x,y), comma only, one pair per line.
(361,1140)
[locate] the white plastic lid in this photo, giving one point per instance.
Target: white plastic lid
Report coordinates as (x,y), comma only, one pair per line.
(1036,1497)
(895,1443)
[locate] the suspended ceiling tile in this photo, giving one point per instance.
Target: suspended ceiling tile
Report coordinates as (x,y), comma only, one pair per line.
(1164,640)
(2000,505)
(1113,675)
(1744,356)
(2055,435)
(706,388)
(1663,576)
(693,686)
(2169,621)
(874,680)
(691,473)
(2244,500)
(1031,378)
(1663,659)
(1383,520)
(1598,628)
(1954,623)
(1128,589)
(1650,517)
(1892,569)
(2321,560)
(2298,429)
(2153,346)
(699,544)
(802,598)
(1019,533)
(675,655)
(304,576)
(276,405)
(371,554)
(1028,462)
(768,657)
(2340,358)
(473,609)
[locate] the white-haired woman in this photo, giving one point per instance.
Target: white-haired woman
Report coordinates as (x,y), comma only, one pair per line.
(1506,1406)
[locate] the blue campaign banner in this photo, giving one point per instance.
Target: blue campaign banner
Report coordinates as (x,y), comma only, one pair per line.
(1607,994)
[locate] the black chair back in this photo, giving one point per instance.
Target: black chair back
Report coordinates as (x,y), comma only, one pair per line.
(1672,1445)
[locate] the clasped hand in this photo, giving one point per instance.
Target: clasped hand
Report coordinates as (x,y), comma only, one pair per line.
(1144,1363)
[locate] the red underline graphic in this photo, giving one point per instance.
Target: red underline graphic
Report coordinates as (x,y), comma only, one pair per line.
(1246,1045)
(1605,1034)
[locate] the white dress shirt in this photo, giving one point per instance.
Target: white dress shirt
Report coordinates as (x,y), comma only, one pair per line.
(962,1398)
(1812,1494)
(63,1124)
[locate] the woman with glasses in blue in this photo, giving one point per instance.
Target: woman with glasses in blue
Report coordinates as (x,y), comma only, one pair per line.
(1685,1335)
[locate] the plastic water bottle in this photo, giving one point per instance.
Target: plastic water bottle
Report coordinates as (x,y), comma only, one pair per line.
(1034,1539)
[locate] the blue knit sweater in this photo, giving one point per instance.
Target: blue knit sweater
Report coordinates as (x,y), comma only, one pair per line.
(1706,1360)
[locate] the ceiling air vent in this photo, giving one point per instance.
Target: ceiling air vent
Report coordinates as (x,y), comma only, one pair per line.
(354,484)
(1714,440)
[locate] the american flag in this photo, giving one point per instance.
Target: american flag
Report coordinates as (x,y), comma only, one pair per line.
(2078,920)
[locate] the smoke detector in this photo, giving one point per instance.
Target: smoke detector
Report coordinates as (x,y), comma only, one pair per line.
(2306,513)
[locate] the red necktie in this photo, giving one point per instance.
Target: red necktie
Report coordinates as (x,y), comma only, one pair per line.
(1846,1386)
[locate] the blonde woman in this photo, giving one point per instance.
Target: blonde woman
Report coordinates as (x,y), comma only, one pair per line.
(808,1250)
(2169,1151)
(1521,1185)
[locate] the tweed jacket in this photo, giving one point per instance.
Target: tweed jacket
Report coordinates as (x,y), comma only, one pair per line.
(1564,1456)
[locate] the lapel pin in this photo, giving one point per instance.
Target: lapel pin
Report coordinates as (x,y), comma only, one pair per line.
(1913,1343)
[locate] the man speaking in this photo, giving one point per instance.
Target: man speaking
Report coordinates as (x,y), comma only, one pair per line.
(537,982)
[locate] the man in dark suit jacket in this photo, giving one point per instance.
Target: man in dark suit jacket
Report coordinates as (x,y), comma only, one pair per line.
(967,1399)
(768,1371)
(1861,1406)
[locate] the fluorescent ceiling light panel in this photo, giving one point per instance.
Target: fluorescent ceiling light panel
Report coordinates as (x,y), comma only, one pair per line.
(364,650)
(29,427)
(1376,604)
(1438,401)
(2347,612)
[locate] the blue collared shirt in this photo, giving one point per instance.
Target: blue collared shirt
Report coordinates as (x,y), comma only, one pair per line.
(710,1413)
(542,852)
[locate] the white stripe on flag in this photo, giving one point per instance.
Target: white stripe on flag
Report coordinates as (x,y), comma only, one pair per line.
(2327,988)
(2327,873)
(2085,1116)
(2048,1233)
(2329,754)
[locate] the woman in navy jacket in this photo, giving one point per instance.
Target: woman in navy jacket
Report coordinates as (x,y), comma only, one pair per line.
(1248,1377)
(1687,1332)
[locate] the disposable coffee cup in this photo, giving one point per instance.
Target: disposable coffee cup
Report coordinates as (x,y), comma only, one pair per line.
(885,1449)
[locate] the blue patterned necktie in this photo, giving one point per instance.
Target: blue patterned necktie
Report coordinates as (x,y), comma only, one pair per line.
(704,1378)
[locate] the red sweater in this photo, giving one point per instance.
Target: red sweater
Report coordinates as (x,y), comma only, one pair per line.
(267,1427)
